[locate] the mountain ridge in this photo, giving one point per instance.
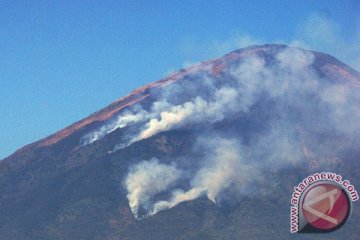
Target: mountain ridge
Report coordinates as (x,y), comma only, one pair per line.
(194,155)
(217,64)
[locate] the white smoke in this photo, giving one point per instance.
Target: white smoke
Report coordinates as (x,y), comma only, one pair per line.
(324,33)
(222,168)
(121,121)
(195,111)
(147,179)
(251,77)
(164,116)
(284,106)
(178,196)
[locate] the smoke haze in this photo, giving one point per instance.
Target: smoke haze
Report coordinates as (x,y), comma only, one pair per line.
(282,111)
(147,179)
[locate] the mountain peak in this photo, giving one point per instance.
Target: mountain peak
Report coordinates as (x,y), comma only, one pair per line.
(205,145)
(324,63)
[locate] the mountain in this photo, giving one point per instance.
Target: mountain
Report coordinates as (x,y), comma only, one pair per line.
(209,152)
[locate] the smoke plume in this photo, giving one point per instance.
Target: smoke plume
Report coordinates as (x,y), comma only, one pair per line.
(280,109)
(147,179)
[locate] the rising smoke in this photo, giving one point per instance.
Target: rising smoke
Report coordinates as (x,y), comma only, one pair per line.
(282,109)
(222,168)
(147,179)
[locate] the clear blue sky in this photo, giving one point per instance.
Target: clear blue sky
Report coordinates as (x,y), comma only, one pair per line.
(62,60)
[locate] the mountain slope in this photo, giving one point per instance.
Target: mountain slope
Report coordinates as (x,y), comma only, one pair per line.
(194,155)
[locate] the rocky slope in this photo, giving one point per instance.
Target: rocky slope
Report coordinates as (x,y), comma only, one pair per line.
(209,152)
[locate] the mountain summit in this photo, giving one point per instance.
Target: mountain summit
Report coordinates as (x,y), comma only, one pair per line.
(195,155)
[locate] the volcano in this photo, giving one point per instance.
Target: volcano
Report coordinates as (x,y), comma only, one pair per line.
(212,151)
